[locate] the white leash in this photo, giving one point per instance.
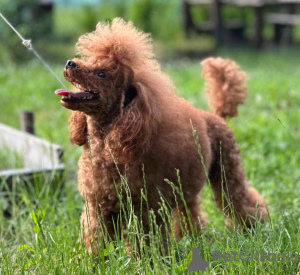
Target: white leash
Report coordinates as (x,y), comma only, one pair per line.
(27,43)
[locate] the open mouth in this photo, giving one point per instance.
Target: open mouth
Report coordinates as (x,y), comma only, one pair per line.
(68,96)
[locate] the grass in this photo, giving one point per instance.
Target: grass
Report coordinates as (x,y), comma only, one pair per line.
(42,231)
(10,159)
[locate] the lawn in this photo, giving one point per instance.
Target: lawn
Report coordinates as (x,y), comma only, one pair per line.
(42,231)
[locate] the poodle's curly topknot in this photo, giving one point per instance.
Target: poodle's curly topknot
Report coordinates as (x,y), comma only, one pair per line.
(120,40)
(225,85)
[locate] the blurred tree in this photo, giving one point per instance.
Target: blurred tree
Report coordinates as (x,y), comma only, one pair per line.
(30,18)
(90,15)
(160,17)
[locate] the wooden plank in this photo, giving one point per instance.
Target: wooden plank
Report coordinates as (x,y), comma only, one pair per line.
(29,175)
(209,26)
(288,1)
(202,3)
(35,152)
(258,3)
(25,172)
(245,3)
(282,19)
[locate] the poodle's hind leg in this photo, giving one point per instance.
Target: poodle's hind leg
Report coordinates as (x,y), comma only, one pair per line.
(184,221)
(233,194)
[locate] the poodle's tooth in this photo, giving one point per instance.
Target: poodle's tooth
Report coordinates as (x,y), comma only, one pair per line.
(69,96)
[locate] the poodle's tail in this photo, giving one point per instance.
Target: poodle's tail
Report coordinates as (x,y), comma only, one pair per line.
(225,85)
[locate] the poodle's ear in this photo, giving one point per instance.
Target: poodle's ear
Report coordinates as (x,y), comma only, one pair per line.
(78,128)
(131,133)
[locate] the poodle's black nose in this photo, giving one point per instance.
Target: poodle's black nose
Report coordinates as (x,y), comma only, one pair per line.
(70,64)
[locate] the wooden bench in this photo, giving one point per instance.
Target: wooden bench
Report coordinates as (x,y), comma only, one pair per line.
(283,24)
(215,25)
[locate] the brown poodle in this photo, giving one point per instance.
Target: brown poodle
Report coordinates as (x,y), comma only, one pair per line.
(127,116)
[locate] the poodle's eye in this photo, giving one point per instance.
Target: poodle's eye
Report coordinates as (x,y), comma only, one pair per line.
(101,75)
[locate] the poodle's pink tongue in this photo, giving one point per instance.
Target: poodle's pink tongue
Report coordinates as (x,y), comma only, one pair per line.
(62,92)
(79,95)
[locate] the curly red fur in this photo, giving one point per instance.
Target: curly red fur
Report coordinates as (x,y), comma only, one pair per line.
(78,128)
(131,132)
(139,121)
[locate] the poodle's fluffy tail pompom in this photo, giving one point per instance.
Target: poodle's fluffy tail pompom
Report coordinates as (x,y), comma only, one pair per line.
(225,85)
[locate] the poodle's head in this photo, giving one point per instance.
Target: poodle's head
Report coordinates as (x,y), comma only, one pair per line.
(119,84)
(105,86)
(106,73)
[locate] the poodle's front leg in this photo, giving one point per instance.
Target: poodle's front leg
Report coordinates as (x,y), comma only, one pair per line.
(187,222)
(97,227)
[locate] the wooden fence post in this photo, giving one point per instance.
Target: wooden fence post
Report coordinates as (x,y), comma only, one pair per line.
(27,122)
(259,24)
(218,21)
